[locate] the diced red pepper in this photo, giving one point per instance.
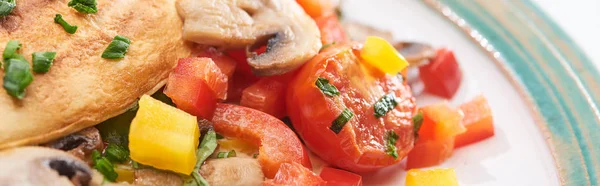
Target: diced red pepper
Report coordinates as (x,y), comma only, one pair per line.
(191,95)
(442,76)
(266,95)
(204,69)
(478,121)
(441,124)
(294,174)
(331,29)
(224,62)
(338,177)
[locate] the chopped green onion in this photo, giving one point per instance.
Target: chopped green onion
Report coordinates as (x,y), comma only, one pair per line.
(326,88)
(327,45)
(385,104)
(84,6)
(11,49)
(219,136)
(117,48)
(254,155)
(42,61)
(6,7)
(231,154)
(135,164)
(116,153)
(417,123)
(104,166)
(391,137)
(17,76)
(222,155)
(71,29)
(207,147)
(338,124)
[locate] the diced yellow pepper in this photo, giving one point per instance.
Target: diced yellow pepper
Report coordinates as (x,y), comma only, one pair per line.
(163,136)
(238,145)
(438,177)
(126,173)
(382,55)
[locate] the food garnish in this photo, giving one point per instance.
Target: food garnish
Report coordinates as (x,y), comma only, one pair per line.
(385,104)
(390,146)
(338,124)
(17,73)
(104,166)
(84,6)
(207,147)
(71,29)
(6,7)
(326,88)
(42,61)
(117,48)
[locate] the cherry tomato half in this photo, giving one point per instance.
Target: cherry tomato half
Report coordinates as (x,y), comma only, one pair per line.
(361,144)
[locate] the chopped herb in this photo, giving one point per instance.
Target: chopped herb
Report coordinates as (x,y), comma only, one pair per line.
(84,6)
(254,155)
(327,45)
(42,61)
(326,88)
(207,147)
(231,154)
(117,48)
(417,122)
(390,138)
(104,166)
(17,76)
(135,164)
(116,153)
(6,7)
(338,124)
(219,136)
(10,51)
(385,104)
(222,155)
(68,28)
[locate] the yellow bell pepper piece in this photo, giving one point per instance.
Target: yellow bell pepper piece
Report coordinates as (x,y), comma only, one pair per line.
(126,173)
(382,55)
(163,136)
(438,177)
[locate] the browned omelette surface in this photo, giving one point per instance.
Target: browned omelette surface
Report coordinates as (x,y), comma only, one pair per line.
(82,89)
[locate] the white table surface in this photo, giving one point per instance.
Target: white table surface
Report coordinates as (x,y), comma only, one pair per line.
(580,19)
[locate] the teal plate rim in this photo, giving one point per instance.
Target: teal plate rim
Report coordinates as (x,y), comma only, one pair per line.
(548,69)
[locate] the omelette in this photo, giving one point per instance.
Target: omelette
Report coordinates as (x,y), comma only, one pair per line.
(81,88)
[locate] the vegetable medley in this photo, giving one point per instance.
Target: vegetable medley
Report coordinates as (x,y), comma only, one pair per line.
(223,119)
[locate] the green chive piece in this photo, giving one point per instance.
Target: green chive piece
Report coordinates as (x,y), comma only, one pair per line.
(104,166)
(84,6)
(391,137)
(385,104)
(6,7)
(327,46)
(219,136)
(231,154)
(207,147)
(42,61)
(117,48)
(116,153)
(135,164)
(71,29)
(338,124)
(254,155)
(11,49)
(326,88)
(417,123)
(17,76)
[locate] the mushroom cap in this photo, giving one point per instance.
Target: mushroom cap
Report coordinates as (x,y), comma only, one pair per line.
(34,166)
(291,36)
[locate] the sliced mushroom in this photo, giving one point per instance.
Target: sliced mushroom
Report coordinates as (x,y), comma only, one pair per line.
(232,172)
(80,144)
(27,166)
(291,36)
(415,53)
(153,177)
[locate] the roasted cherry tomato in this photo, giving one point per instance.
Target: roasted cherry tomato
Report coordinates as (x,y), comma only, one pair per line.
(331,29)
(277,143)
(442,76)
(189,89)
(478,121)
(337,177)
(361,143)
(294,174)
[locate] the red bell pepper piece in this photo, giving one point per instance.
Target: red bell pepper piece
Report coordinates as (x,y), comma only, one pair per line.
(442,76)
(478,121)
